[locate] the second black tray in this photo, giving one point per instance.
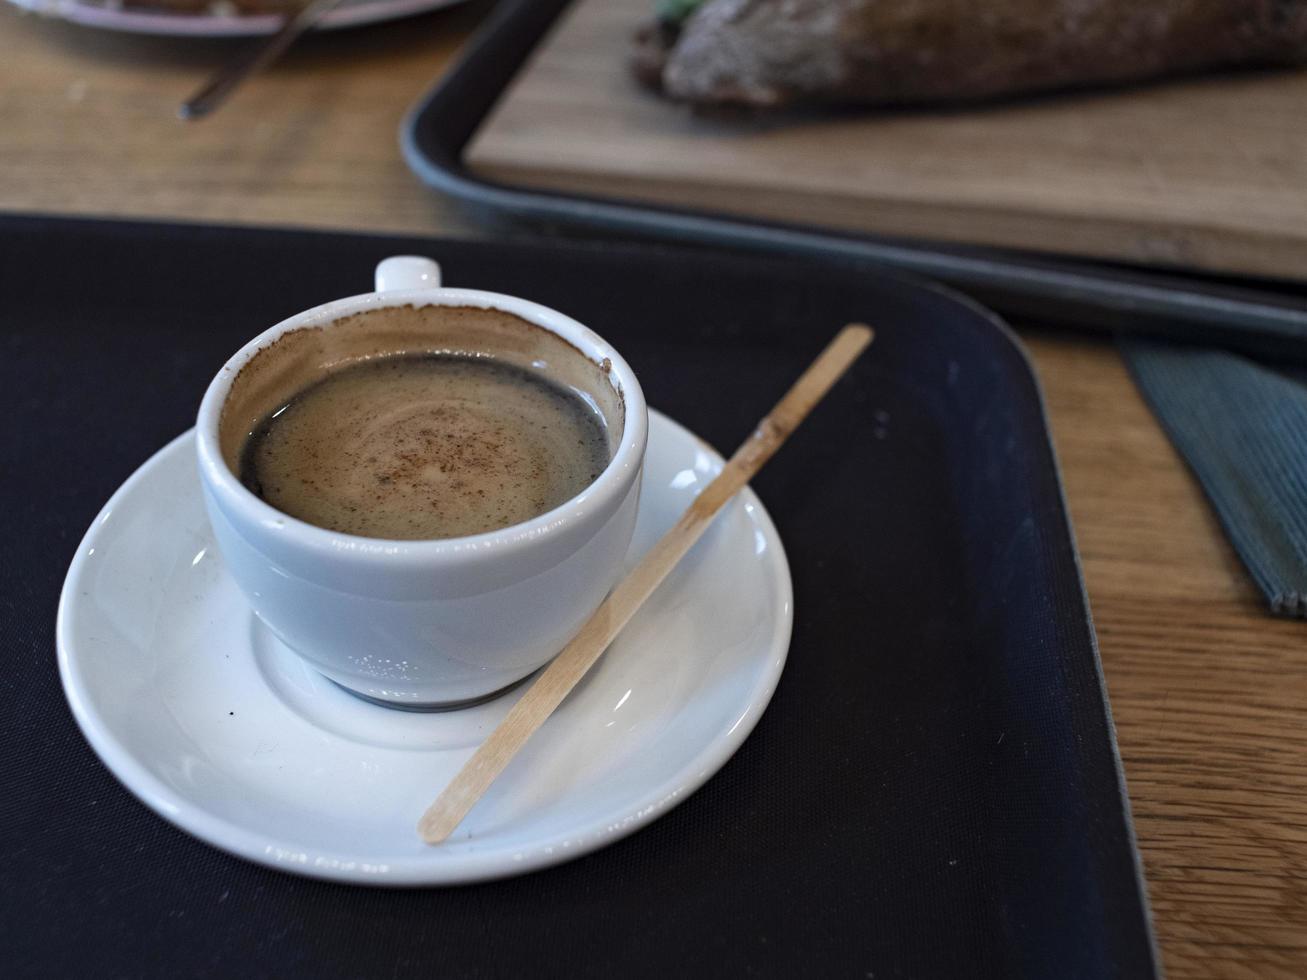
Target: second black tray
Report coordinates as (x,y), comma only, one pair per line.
(1269,322)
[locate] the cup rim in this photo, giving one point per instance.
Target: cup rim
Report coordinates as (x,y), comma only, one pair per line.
(603,494)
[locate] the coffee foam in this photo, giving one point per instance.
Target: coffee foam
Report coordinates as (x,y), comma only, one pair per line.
(423,447)
(304,356)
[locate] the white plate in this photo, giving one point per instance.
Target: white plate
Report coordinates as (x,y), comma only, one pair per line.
(350,13)
(226,733)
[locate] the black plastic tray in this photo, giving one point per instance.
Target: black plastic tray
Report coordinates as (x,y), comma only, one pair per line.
(934,791)
(1269,321)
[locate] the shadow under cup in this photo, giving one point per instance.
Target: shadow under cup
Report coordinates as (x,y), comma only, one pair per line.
(425,624)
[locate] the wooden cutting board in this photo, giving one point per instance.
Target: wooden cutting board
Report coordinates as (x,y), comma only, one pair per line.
(1207,173)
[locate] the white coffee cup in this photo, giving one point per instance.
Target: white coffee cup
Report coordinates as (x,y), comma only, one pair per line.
(437,623)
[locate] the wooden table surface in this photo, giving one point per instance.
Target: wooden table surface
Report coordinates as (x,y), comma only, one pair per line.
(1207,690)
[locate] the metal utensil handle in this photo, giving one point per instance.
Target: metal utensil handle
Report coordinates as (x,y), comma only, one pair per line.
(254,58)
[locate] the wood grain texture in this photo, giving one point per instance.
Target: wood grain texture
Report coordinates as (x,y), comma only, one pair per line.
(1206,172)
(88,125)
(1209,694)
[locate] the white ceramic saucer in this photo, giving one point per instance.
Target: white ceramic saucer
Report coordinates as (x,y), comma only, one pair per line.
(216,22)
(206,717)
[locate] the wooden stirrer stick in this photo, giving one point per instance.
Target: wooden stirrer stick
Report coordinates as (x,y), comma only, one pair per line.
(540,700)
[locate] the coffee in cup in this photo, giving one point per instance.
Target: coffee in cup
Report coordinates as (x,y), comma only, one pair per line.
(426,445)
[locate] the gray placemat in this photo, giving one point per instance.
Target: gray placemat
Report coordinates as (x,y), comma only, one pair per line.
(1242,428)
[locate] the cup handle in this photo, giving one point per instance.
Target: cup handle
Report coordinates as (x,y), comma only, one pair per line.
(407,272)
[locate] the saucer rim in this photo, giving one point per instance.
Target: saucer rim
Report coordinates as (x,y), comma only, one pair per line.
(461,861)
(161,23)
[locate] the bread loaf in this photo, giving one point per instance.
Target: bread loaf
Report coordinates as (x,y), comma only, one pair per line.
(884,52)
